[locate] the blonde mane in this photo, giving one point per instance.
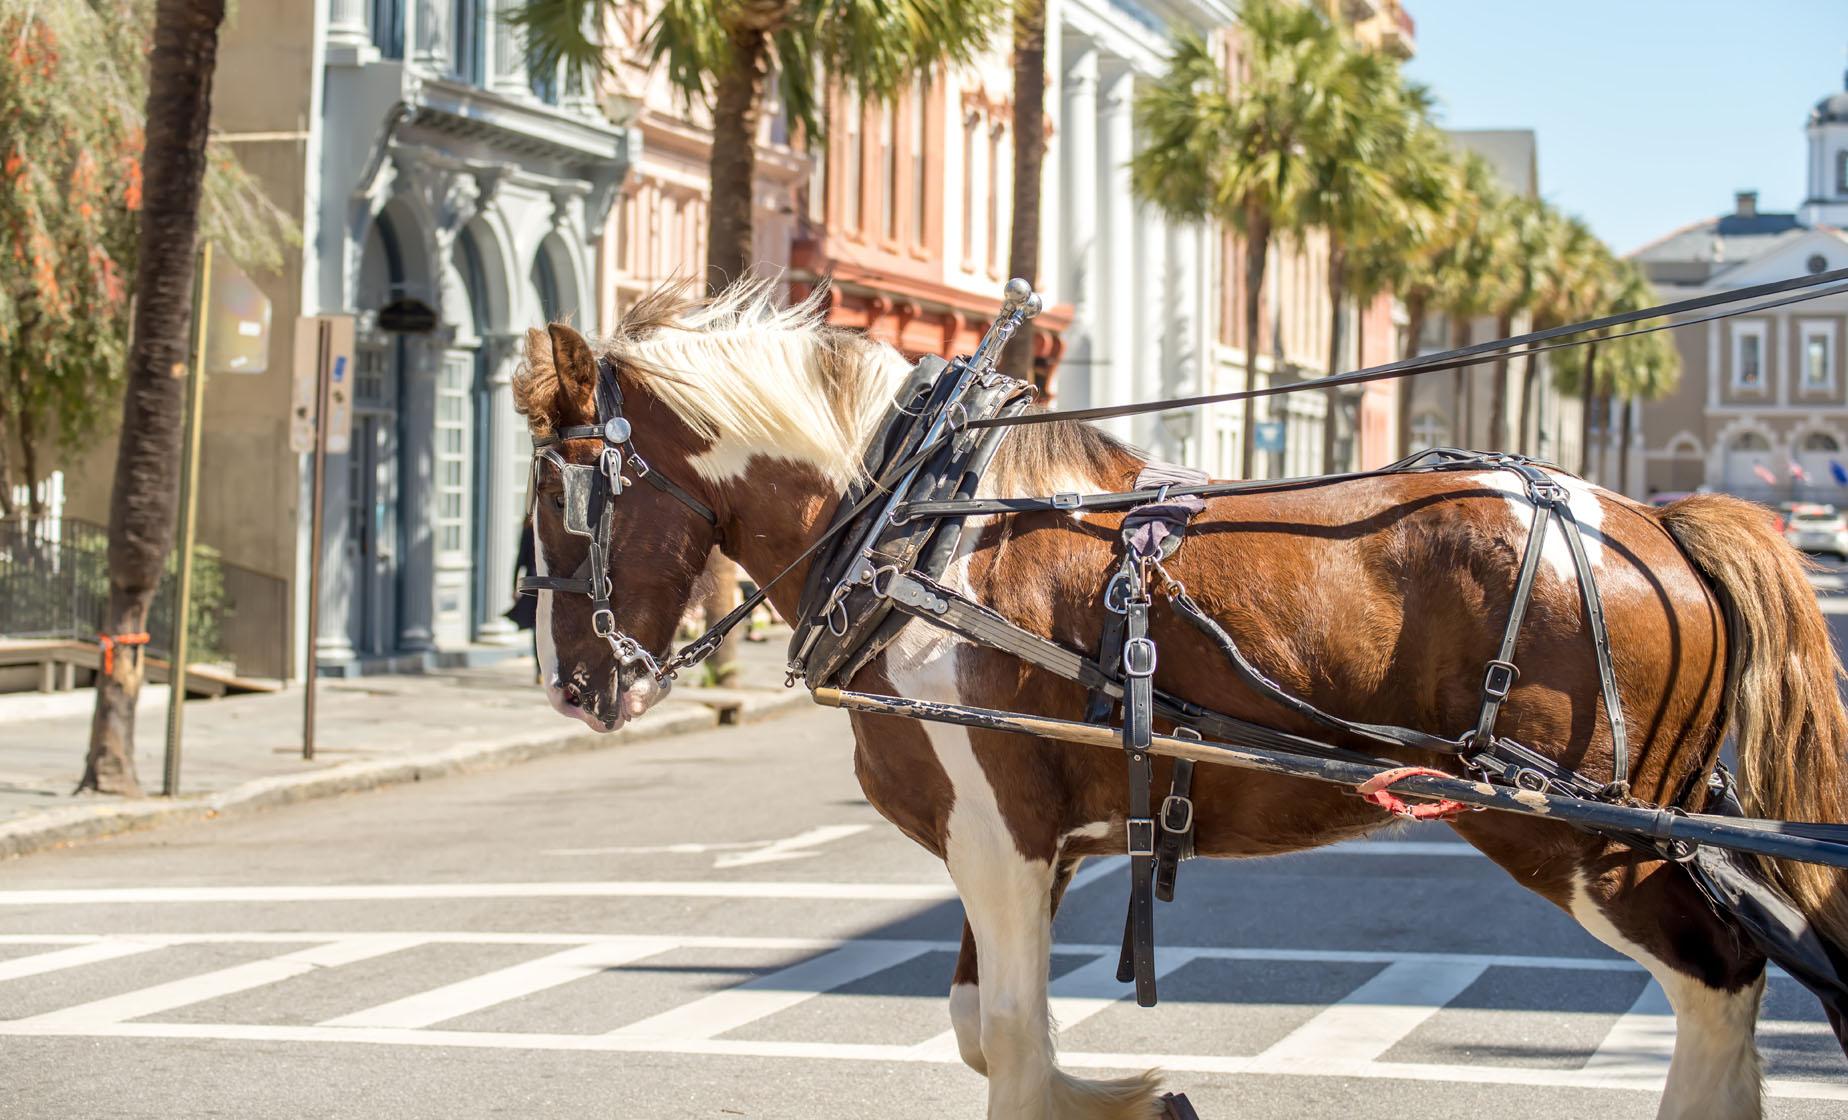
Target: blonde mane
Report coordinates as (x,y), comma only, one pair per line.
(758,379)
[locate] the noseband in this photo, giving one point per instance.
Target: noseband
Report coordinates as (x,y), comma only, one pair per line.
(589,512)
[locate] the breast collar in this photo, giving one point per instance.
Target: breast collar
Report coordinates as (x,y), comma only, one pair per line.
(589,509)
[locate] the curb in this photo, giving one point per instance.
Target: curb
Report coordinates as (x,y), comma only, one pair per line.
(59,827)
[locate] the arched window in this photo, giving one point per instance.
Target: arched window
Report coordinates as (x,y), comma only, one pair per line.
(1750,441)
(1821,441)
(1429,430)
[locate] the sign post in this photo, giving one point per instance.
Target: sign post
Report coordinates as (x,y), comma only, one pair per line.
(323,376)
(230,334)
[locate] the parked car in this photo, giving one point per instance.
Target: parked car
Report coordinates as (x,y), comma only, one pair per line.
(1818,528)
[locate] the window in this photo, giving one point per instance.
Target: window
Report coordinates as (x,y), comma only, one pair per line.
(467,35)
(1821,441)
(388,27)
(1429,431)
(850,175)
(994,197)
(452,431)
(920,186)
(1750,441)
(1748,357)
(888,170)
(1818,356)
(1841,172)
(970,126)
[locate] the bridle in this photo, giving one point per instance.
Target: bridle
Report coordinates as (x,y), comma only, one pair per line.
(589,511)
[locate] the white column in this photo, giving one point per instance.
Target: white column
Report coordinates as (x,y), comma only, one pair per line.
(349,39)
(417,493)
(430,26)
(508,73)
(1051,244)
(500,509)
(1152,371)
(1078,378)
(1116,135)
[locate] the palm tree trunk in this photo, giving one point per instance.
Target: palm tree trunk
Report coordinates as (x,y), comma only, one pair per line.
(1459,383)
(1530,386)
(1337,322)
(1023,248)
(736,105)
(146,493)
(1498,392)
(1257,247)
(1414,330)
(1623,447)
(1588,392)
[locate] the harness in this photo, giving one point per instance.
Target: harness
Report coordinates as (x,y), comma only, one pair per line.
(589,494)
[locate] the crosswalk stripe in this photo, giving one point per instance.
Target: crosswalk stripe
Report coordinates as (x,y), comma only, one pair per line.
(1641,1042)
(398,892)
(73,957)
(1368,1021)
(756,999)
(501,986)
(211,985)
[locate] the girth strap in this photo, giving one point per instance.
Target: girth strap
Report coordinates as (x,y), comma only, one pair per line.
(1138,958)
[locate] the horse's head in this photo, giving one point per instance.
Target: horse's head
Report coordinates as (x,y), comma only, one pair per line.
(615,558)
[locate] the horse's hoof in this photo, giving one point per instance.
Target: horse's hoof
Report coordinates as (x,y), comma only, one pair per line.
(1175,1106)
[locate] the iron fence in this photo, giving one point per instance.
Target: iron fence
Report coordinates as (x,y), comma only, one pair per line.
(54,583)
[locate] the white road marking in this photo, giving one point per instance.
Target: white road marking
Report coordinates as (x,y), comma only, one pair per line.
(1368,1021)
(72,957)
(799,846)
(1344,1041)
(120,896)
(766,995)
(1641,1043)
(1094,869)
(452,1001)
(755,851)
(211,985)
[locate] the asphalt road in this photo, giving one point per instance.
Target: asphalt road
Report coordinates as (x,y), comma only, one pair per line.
(717,926)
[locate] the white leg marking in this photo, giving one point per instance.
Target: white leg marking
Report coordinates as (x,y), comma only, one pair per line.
(966,1021)
(1581,499)
(1714,1073)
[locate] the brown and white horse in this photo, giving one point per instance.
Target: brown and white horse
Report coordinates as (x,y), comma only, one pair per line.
(1380,599)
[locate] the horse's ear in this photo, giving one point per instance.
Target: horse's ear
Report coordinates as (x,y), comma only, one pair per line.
(555,387)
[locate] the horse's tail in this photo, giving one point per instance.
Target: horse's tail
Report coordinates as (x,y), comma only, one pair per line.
(1787,716)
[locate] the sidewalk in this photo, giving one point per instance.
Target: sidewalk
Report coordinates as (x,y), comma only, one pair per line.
(244,752)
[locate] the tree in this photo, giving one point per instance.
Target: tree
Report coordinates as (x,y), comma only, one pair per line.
(146,492)
(71,98)
(1374,184)
(1023,247)
(1238,152)
(1634,367)
(1469,270)
(1530,228)
(1570,255)
(721,53)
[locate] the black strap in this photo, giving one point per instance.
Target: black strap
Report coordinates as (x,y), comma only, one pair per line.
(1138,958)
(1177,826)
(1498,679)
(1601,646)
(1110,662)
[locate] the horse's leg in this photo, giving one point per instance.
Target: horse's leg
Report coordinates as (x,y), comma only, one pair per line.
(965,991)
(1651,912)
(1713,982)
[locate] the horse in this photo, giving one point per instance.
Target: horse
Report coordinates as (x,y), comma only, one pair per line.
(1377,598)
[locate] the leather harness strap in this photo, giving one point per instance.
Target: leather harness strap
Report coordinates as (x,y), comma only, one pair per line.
(1138,957)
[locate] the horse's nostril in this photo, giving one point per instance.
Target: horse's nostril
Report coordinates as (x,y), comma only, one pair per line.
(571,696)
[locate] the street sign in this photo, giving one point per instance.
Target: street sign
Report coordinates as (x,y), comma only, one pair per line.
(315,355)
(1267,435)
(238,322)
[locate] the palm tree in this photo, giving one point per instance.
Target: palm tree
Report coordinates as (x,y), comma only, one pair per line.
(1650,369)
(1530,230)
(1373,185)
(1568,262)
(1470,271)
(1238,154)
(721,52)
(1023,246)
(145,497)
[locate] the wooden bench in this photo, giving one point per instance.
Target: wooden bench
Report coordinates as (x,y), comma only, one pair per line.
(58,660)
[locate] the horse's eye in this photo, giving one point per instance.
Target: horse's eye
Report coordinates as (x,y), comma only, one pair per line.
(558,502)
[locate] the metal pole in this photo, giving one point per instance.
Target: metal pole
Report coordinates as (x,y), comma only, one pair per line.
(189,502)
(323,359)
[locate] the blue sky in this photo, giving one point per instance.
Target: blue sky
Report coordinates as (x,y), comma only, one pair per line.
(1650,113)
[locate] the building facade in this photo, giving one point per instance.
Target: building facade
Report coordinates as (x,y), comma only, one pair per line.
(1762,406)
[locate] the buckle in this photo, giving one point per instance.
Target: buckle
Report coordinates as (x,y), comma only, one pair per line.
(1141,836)
(1499,679)
(638,465)
(1139,658)
(603,622)
(1169,805)
(1067,499)
(1546,491)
